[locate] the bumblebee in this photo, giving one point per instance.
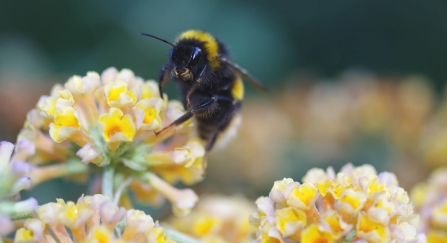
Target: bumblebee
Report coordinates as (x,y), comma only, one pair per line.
(210,84)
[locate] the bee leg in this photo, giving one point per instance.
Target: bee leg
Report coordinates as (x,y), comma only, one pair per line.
(195,86)
(211,140)
(214,134)
(191,90)
(163,78)
(199,78)
(195,109)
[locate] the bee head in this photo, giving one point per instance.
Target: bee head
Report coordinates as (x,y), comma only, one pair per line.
(185,59)
(191,54)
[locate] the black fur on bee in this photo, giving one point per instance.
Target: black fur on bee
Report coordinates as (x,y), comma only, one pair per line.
(211,86)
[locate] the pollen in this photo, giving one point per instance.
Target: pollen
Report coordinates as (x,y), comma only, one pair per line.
(119,95)
(72,212)
(66,123)
(110,131)
(367,225)
(115,124)
(24,235)
(305,195)
(101,237)
(48,105)
(289,220)
(333,221)
(205,225)
(314,235)
(149,115)
(67,118)
(115,92)
(355,200)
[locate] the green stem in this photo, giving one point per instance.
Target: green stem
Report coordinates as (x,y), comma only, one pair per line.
(349,237)
(120,190)
(180,237)
(107,181)
(22,216)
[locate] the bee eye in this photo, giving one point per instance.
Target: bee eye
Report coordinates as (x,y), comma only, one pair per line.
(172,55)
(195,56)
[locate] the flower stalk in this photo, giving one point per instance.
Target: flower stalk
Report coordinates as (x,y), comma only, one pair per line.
(121,189)
(107,181)
(179,237)
(182,200)
(50,172)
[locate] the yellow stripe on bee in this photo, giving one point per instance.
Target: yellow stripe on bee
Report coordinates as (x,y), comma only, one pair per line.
(238,89)
(211,45)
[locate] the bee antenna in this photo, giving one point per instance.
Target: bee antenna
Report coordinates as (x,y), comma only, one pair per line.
(155,37)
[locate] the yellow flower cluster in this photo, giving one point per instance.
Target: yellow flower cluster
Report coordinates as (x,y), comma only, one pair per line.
(109,120)
(354,205)
(92,219)
(216,219)
(342,118)
(430,199)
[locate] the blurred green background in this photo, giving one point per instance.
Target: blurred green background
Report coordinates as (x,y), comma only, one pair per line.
(45,42)
(270,39)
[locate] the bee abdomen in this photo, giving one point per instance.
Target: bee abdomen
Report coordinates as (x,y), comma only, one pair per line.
(205,130)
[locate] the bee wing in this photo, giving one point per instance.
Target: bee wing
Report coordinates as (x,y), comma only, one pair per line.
(246,76)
